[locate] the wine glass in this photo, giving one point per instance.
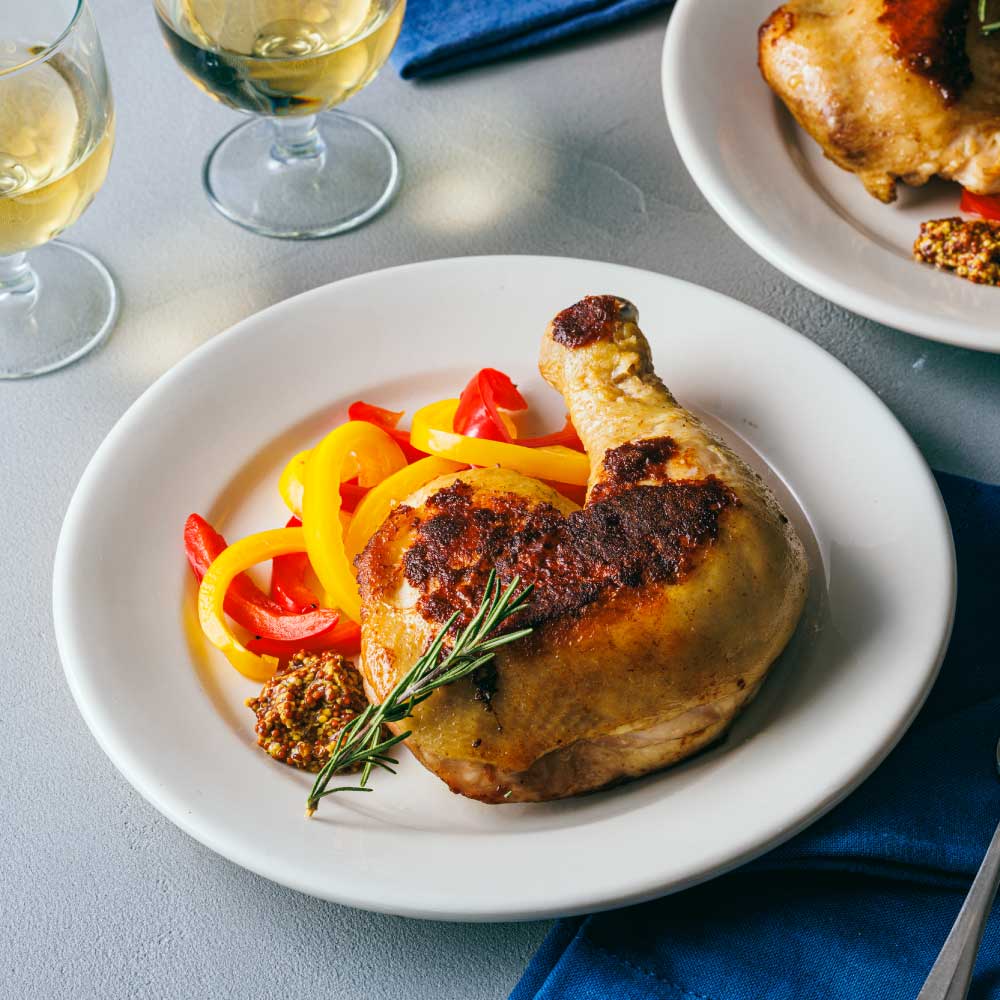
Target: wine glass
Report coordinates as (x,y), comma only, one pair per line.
(297,170)
(57,127)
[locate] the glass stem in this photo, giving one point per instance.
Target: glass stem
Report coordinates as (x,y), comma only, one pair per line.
(16,276)
(296,139)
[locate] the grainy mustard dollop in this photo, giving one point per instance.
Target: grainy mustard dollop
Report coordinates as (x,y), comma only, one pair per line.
(969,248)
(303,707)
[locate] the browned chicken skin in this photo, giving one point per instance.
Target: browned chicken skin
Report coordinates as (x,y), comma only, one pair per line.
(658,608)
(891,89)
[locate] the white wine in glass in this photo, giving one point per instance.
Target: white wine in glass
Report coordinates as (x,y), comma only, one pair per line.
(56,135)
(300,170)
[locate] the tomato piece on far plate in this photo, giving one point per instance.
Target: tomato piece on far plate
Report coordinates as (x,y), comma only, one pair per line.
(986,205)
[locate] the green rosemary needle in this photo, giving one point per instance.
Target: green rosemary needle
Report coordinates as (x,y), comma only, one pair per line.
(986,27)
(362,741)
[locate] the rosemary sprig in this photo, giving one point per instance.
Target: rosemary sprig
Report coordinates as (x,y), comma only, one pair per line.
(362,740)
(986,27)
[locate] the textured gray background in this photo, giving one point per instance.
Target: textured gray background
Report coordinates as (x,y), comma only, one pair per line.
(564,152)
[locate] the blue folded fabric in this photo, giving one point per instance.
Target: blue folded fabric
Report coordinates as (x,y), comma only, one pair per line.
(858,906)
(441,36)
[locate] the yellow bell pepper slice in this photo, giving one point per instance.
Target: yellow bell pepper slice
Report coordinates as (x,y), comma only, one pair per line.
(378,503)
(376,457)
(291,485)
(236,559)
(507,420)
(432,432)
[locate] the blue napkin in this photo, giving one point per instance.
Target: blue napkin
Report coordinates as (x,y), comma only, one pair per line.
(858,906)
(441,36)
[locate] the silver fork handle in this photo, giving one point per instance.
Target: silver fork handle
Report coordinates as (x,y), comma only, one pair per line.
(952,973)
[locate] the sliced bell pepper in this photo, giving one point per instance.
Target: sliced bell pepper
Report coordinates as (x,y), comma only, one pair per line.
(351,495)
(378,415)
(578,494)
(244,601)
(376,507)
(432,431)
(986,205)
(388,421)
(478,413)
(226,567)
(344,639)
(291,485)
(377,456)
(288,579)
(567,438)
(288,582)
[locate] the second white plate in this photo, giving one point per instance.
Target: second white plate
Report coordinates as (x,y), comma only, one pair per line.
(771,183)
(212,436)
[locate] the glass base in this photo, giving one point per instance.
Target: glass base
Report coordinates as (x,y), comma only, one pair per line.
(302,178)
(66,311)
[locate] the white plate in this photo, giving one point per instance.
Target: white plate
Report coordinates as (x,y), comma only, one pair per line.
(212,435)
(771,183)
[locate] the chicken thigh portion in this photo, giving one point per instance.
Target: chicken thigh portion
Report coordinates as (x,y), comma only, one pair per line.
(657,610)
(891,89)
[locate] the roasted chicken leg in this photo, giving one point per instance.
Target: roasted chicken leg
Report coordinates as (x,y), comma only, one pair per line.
(891,89)
(658,608)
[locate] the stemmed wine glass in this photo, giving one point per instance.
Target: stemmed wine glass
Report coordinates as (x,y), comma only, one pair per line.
(56,133)
(297,169)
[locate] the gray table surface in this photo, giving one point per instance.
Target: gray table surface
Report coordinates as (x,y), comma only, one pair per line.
(564,152)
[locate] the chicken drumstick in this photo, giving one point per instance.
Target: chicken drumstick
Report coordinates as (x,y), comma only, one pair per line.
(658,608)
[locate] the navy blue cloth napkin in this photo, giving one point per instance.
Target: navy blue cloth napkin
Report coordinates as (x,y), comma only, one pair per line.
(441,36)
(858,906)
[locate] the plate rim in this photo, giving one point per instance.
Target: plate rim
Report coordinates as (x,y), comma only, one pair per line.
(725,200)
(132,769)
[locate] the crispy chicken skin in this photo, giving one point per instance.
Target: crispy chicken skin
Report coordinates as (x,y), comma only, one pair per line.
(891,89)
(658,608)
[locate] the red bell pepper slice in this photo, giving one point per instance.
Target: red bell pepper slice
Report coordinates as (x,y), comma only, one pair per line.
(344,639)
(578,494)
(388,421)
(377,415)
(288,579)
(245,602)
(986,205)
(478,413)
(567,437)
(351,495)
